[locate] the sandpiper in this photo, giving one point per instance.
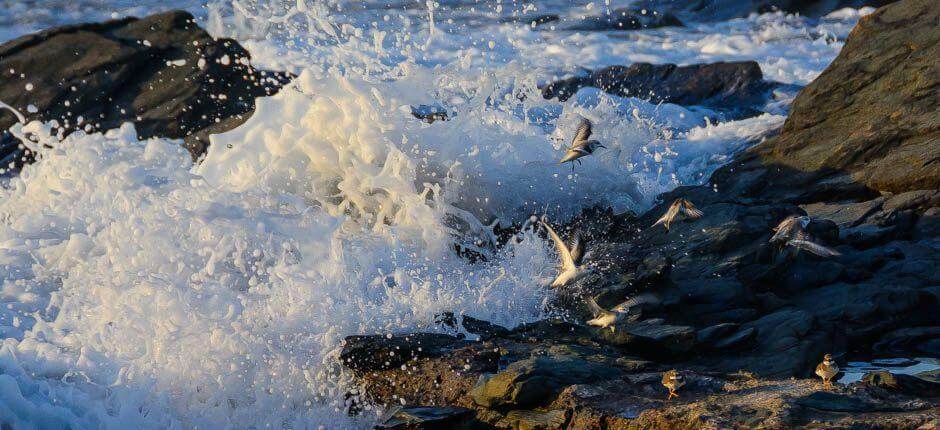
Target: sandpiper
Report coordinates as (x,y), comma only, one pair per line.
(827,370)
(580,145)
(628,310)
(792,232)
(570,268)
(673,380)
(680,209)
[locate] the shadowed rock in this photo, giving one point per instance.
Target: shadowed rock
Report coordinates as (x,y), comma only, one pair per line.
(163,73)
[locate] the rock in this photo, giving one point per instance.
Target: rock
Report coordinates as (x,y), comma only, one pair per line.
(534,381)
(870,117)
(828,401)
(925,340)
(721,10)
(625,19)
(735,88)
(907,384)
(650,338)
(377,352)
(484,329)
(737,340)
(533,420)
(713,333)
(430,418)
(430,113)
(162,72)
(844,214)
(533,20)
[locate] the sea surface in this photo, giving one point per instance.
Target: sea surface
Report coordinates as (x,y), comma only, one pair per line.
(141,291)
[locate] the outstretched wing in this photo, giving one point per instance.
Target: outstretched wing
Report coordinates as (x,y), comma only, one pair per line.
(577,249)
(566,261)
(596,310)
(583,132)
(815,248)
(782,231)
(668,216)
(689,210)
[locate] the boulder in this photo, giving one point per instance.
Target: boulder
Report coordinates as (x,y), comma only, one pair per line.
(871,117)
(163,73)
(735,88)
(429,418)
(535,381)
(625,19)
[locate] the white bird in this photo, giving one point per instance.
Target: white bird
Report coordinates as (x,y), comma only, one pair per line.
(580,145)
(604,318)
(570,268)
(792,232)
(680,209)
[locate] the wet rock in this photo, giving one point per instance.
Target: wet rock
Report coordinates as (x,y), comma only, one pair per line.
(735,88)
(534,381)
(625,19)
(925,340)
(430,113)
(163,73)
(430,418)
(870,117)
(720,10)
(650,338)
(484,329)
(378,352)
(533,20)
(907,384)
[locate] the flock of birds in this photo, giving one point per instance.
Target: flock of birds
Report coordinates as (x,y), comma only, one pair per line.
(791,233)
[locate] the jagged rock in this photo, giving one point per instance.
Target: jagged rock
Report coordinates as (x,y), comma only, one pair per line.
(925,340)
(484,329)
(534,381)
(625,19)
(430,418)
(650,338)
(735,88)
(534,420)
(870,117)
(163,73)
(377,352)
(907,384)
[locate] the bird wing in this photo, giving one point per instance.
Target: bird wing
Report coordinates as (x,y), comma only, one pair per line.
(566,261)
(815,248)
(782,230)
(669,215)
(583,132)
(689,210)
(577,249)
(596,310)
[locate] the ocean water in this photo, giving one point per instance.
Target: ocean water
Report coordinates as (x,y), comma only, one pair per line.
(142,291)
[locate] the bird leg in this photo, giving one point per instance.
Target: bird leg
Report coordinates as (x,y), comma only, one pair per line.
(672,393)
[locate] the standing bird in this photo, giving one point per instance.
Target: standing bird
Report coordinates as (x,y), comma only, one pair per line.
(827,370)
(792,232)
(628,310)
(673,380)
(681,209)
(580,145)
(570,268)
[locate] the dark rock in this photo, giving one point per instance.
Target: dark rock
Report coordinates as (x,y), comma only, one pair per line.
(907,384)
(534,420)
(430,113)
(484,329)
(711,334)
(377,352)
(721,10)
(162,72)
(430,418)
(533,20)
(827,401)
(737,340)
(870,117)
(534,381)
(736,88)
(625,19)
(925,340)
(649,338)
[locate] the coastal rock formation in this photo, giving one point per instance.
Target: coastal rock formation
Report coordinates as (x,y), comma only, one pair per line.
(737,315)
(735,88)
(162,72)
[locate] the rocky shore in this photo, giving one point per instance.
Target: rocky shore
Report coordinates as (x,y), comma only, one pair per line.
(745,321)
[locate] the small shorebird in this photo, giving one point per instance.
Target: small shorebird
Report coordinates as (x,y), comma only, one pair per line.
(792,232)
(680,209)
(570,268)
(673,380)
(827,370)
(580,145)
(625,311)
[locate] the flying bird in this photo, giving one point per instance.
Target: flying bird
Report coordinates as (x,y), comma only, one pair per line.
(681,209)
(580,145)
(570,268)
(673,380)
(827,370)
(604,318)
(792,232)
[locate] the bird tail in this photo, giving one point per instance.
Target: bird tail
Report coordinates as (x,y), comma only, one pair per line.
(594,307)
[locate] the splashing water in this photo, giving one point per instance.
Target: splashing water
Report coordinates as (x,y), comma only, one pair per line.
(140,290)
